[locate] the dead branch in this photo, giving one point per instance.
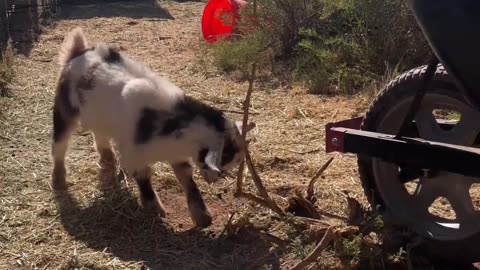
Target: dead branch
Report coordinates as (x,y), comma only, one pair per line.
(312,257)
(304,152)
(325,222)
(301,207)
(246,107)
(266,201)
(239,112)
(240,173)
(273,239)
(256,199)
(259,184)
(310,191)
(356,212)
(228,226)
(330,215)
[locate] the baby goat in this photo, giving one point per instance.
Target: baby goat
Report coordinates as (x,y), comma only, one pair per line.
(148,118)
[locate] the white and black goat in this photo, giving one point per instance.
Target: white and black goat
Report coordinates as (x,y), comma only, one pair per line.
(148,118)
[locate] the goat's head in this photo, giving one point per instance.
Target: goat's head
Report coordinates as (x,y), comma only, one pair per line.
(223,153)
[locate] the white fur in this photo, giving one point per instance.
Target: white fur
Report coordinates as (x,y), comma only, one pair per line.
(112,109)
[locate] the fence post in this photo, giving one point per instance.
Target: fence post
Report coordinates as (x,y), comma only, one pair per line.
(3,24)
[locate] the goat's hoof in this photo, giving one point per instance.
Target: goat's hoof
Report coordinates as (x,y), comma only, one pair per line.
(121,175)
(108,177)
(58,179)
(155,206)
(202,219)
(59,186)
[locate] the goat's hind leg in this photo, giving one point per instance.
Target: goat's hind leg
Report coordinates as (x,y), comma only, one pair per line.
(196,206)
(108,162)
(63,126)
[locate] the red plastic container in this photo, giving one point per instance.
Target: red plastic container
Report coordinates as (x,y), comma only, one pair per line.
(219,19)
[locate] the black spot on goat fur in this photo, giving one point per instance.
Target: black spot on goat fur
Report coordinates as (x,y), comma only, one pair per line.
(162,123)
(63,97)
(59,125)
(113,56)
(229,151)
(146,190)
(146,125)
(188,109)
(63,110)
(202,154)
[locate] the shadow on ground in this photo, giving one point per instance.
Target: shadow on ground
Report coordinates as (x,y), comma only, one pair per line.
(114,8)
(117,223)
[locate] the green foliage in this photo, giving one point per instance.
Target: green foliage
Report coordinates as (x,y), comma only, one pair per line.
(352,248)
(331,45)
(239,55)
(300,248)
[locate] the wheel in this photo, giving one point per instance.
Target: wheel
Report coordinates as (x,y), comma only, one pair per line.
(437,206)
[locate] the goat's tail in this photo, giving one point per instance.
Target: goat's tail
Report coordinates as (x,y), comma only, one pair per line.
(73,45)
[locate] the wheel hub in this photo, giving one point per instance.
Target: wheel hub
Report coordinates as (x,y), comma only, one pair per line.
(415,201)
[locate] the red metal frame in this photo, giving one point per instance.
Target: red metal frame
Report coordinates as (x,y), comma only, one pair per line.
(334,141)
(410,151)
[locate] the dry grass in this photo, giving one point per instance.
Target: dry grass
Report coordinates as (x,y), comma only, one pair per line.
(86,229)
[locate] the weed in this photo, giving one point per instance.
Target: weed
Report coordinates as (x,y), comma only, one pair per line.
(239,55)
(300,248)
(352,248)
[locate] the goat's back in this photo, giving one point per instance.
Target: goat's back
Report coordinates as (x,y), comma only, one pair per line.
(110,90)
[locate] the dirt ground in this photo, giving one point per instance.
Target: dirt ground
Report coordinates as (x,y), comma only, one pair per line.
(92,230)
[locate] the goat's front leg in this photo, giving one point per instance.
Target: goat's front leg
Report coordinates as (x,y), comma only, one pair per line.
(149,197)
(198,210)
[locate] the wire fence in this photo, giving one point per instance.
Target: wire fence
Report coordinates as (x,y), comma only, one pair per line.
(22,16)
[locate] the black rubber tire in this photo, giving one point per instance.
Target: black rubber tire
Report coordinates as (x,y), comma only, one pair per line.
(402,87)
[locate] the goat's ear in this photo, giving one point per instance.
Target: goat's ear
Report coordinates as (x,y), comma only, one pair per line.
(239,126)
(210,161)
(213,160)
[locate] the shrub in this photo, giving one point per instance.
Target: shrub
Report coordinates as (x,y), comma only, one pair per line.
(240,54)
(332,45)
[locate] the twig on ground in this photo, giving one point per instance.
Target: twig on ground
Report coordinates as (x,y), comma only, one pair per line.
(330,215)
(36,232)
(259,184)
(305,116)
(312,257)
(273,239)
(260,201)
(240,173)
(304,152)
(334,114)
(228,224)
(297,201)
(307,220)
(239,112)
(310,191)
